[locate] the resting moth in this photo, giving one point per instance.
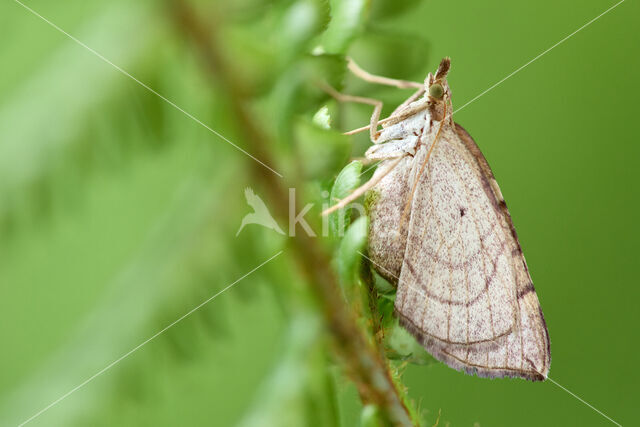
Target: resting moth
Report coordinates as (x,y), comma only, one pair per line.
(441,232)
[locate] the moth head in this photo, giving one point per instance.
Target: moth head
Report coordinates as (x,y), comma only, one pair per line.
(436,85)
(436,91)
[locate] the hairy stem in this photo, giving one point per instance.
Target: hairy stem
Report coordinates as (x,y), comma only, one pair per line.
(364,363)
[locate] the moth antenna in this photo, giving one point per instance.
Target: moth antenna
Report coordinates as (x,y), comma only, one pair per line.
(424,164)
(443,68)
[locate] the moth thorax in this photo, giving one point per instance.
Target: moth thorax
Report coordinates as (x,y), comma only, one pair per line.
(437,110)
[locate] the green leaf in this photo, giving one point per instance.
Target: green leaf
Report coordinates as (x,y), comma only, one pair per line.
(348,179)
(383,287)
(28,152)
(385,9)
(298,91)
(403,346)
(392,53)
(299,24)
(322,118)
(299,376)
(370,417)
(347,21)
(348,257)
(322,150)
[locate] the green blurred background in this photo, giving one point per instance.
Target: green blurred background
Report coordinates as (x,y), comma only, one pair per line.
(118,214)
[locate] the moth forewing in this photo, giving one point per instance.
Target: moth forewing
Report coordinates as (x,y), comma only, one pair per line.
(464,290)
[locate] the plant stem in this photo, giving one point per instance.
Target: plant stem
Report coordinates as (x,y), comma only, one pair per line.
(372,298)
(367,368)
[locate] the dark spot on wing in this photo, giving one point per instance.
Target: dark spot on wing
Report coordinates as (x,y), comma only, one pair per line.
(462,212)
(526,290)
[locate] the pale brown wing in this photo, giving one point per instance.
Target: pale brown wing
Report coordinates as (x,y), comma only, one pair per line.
(464,289)
(387,240)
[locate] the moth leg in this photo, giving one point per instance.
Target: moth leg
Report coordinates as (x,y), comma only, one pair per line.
(363,188)
(363,128)
(417,94)
(399,115)
(372,78)
(365,161)
(377,108)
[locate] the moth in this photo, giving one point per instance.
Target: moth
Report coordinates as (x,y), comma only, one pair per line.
(441,232)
